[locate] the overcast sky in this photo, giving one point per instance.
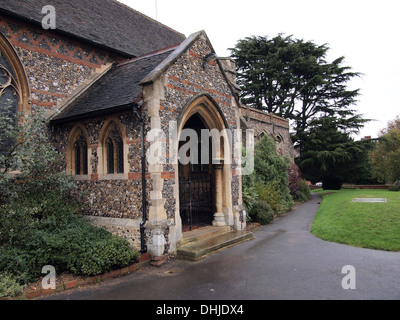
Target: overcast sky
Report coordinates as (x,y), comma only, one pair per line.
(365,32)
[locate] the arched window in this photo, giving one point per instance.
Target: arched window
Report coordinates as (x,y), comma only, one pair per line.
(9,100)
(120,156)
(14,90)
(279,145)
(114,147)
(80,158)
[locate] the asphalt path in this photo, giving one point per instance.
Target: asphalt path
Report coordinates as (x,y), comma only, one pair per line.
(284,261)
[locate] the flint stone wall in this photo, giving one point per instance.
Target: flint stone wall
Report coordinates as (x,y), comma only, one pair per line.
(55,65)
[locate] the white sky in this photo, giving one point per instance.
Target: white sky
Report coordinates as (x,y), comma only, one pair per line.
(365,32)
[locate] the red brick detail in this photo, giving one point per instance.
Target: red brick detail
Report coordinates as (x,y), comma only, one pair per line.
(174,78)
(37,40)
(56,55)
(125,271)
(173,87)
(111,274)
(264,117)
(158,261)
(34,294)
(168,175)
(94,279)
(86,281)
(71,284)
(145,257)
(200,57)
(195,54)
(133,142)
(48,291)
(137,175)
(134,175)
(133,268)
(45,104)
(50,93)
(94,177)
(185,82)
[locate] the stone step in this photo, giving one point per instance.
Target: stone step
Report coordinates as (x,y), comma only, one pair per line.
(199,249)
(202,233)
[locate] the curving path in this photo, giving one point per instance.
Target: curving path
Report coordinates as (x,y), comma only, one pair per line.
(283,262)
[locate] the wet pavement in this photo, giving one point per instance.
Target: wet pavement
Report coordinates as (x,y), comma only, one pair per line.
(283,262)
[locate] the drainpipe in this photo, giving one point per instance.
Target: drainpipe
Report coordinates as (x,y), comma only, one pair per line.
(143,164)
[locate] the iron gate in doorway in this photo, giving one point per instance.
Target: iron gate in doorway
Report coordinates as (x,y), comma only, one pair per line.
(196,201)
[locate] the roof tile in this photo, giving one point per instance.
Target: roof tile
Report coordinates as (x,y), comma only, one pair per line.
(107,23)
(119,87)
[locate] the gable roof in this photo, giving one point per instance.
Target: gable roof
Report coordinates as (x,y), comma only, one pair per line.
(155,73)
(106,23)
(121,86)
(118,89)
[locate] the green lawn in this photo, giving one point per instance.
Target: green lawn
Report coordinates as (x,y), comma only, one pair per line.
(367,225)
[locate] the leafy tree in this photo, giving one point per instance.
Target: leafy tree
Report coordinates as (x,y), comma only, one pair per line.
(27,151)
(385,158)
(331,155)
(291,78)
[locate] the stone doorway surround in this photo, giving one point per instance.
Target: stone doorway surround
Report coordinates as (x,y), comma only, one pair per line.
(158,222)
(196,177)
(208,110)
(173,91)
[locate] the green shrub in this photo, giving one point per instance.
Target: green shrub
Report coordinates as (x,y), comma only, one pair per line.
(9,286)
(261,212)
(394,188)
(270,180)
(303,193)
(269,165)
(78,247)
(269,194)
(280,202)
(82,249)
(301,197)
(304,188)
(106,255)
(18,263)
(249,192)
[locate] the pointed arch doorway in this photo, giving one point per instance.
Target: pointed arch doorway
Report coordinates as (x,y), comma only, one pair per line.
(203,178)
(196,181)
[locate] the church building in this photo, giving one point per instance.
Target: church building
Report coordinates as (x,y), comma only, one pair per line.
(116,83)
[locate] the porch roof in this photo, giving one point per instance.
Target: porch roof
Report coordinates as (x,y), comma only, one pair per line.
(118,89)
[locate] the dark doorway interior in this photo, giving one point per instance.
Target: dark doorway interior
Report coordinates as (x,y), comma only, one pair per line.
(196,185)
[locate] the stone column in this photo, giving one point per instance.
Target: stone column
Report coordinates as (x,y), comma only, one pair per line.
(219,217)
